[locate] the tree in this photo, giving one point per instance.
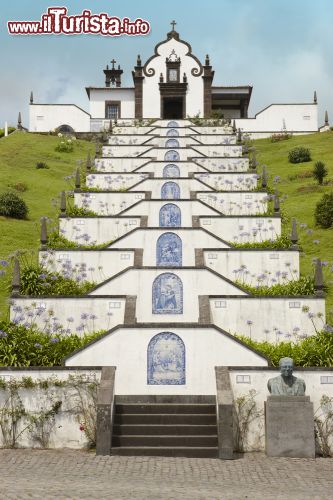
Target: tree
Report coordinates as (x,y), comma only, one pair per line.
(324,211)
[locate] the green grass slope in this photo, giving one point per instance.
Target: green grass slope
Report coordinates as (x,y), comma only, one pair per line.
(19,154)
(302,194)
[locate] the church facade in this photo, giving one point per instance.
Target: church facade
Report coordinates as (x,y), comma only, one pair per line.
(172,84)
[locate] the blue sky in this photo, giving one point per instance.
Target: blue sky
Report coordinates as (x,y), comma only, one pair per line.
(283,48)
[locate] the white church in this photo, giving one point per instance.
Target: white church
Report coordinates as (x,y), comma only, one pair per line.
(177,217)
(172,84)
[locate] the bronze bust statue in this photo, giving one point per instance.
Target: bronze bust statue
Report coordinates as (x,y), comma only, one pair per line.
(286,384)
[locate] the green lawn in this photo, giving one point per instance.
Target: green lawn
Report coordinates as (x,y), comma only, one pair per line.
(19,154)
(302,196)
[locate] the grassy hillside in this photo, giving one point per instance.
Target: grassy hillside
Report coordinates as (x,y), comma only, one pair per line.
(302,193)
(19,154)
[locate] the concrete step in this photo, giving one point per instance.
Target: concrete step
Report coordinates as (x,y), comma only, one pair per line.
(164,429)
(167,451)
(182,399)
(165,419)
(164,441)
(172,408)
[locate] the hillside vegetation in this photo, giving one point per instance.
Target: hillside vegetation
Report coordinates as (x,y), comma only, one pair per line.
(19,154)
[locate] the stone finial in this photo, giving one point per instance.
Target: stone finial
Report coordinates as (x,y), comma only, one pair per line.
(254,162)
(19,121)
(16,280)
(319,279)
(184,78)
(207,61)
(264,177)
(31,97)
(63,202)
(239,136)
(234,129)
(276,204)
(110,126)
(294,234)
(315,97)
(138,61)
(78,178)
(43,233)
(161,78)
(326,118)
(88,161)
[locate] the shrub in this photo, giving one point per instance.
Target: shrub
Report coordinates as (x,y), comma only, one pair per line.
(66,145)
(324,211)
(35,280)
(283,136)
(19,186)
(10,130)
(41,164)
(20,346)
(13,206)
(303,286)
(299,155)
(316,350)
(319,171)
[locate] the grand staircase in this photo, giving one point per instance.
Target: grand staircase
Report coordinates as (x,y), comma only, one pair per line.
(178,426)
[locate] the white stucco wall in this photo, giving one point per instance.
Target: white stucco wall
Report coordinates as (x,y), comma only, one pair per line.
(66,432)
(139,282)
(99,96)
(147,239)
(154,186)
(243,229)
(157,168)
(94,230)
(126,348)
(248,203)
(270,315)
(246,266)
(98,265)
(216,139)
(114,182)
(223,164)
(219,150)
(70,313)
(48,117)
(151,92)
(119,164)
(126,151)
(107,203)
(129,139)
(277,117)
(229,182)
(152,209)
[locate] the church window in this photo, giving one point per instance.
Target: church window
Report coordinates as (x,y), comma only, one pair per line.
(112,110)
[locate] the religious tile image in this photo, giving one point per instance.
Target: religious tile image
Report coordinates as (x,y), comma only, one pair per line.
(172,143)
(171,171)
(172,133)
(170,191)
(169,250)
(166,360)
(170,216)
(171,156)
(167,294)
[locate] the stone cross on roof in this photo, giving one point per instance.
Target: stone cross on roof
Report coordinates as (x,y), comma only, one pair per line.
(113,63)
(173,24)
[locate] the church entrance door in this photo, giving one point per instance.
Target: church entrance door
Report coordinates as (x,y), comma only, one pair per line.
(173,108)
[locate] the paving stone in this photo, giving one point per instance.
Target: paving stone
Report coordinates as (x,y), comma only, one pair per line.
(62,474)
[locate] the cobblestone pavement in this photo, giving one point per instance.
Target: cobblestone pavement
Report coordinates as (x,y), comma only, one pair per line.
(49,474)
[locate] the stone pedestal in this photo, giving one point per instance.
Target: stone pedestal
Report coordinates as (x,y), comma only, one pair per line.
(289,423)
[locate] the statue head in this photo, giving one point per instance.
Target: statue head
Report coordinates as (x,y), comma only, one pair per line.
(286,367)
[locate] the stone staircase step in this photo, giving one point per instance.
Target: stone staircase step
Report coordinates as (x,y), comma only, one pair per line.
(155,408)
(164,429)
(167,451)
(165,419)
(186,441)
